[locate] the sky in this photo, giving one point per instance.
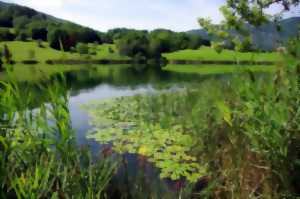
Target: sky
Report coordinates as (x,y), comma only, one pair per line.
(177,15)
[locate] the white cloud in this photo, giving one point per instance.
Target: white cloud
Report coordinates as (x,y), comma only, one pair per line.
(42,4)
(177,15)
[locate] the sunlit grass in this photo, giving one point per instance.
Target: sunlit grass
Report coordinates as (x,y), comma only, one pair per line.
(217,69)
(207,53)
(34,73)
(21,51)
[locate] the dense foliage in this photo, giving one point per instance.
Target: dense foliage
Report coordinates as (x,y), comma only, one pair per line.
(239,18)
(38,154)
(145,45)
(22,23)
(243,137)
(38,26)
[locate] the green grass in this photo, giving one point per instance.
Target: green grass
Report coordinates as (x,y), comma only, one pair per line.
(216,69)
(21,51)
(103,52)
(207,53)
(42,72)
(36,73)
(12,30)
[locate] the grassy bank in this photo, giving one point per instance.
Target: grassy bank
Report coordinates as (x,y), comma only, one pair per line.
(235,138)
(31,51)
(216,69)
(207,53)
(40,72)
(22,51)
(36,73)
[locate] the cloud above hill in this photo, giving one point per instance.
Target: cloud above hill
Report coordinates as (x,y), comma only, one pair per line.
(179,15)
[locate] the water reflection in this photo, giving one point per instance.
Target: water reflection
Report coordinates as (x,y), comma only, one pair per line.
(136,178)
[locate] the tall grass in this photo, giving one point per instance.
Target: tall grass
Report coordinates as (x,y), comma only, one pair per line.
(39,157)
(248,131)
(243,132)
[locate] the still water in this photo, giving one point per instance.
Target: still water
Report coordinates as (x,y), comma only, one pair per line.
(136,178)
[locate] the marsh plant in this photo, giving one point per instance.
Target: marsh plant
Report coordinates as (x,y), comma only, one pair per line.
(38,154)
(241,135)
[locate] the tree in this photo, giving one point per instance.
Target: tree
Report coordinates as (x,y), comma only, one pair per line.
(22,36)
(88,36)
(111,50)
(134,43)
(40,43)
(195,41)
(160,42)
(59,37)
(116,34)
(20,23)
(6,35)
(6,20)
(39,33)
(239,15)
(7,54)
(293,46)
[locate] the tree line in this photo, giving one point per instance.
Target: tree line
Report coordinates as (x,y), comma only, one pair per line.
(142,45)
(27,24)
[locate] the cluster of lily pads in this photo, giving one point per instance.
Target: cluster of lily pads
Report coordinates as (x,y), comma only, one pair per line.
(132,127)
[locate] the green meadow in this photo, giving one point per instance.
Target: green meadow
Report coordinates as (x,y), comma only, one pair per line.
(217,69)
(31,51)
(207,53)
(37,73)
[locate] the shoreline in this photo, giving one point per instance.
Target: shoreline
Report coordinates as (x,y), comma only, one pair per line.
(173,62)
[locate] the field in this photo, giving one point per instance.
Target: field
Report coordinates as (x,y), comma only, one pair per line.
(216,69)
(30,50)
(23,73)
(23,51)
(206,53)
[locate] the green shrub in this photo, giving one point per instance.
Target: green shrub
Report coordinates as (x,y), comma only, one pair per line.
(42,160)
(82,49)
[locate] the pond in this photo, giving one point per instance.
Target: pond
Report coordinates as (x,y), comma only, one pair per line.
(137,177)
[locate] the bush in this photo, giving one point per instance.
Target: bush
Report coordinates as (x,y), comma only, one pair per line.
(7,54)
(110,50)
(82,49)
(39,34)
(60,39)
(22,36)
(6,20)
(293,47)
(31,54)
(6,35)
(40,43)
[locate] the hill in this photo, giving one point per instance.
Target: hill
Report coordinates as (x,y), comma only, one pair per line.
(267,37)
(23,23)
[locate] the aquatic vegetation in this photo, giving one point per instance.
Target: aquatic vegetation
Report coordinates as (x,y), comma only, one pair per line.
(119,122)
(244,135)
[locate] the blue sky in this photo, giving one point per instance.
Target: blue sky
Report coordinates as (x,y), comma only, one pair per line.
(178,15)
